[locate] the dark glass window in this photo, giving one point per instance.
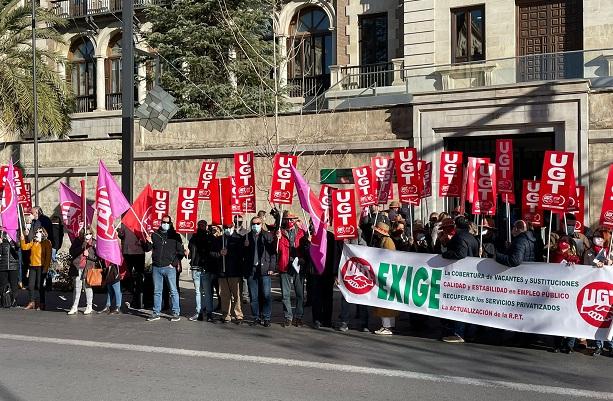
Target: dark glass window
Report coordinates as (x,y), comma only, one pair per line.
(373,39)
(468,34)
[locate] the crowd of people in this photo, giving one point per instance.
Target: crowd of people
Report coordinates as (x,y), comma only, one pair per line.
(238,262)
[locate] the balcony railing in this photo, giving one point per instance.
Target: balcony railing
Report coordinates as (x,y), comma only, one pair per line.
(593,65)
(113,101)
(82,8)
(85,104)
(308,86)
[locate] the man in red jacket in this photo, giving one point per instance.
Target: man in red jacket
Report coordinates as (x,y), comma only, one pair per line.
(293,248)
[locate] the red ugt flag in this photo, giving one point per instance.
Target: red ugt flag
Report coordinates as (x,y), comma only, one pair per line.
(606,215)
(485,189)
(282,185)
(450,175)
(504,170)
(556,181)
(344,214)
(139,219)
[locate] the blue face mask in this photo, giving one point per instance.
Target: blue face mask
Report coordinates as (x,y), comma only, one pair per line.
(256,228)
(165,226)
(228,231)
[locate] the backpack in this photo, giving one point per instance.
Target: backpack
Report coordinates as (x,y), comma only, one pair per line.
(6,298)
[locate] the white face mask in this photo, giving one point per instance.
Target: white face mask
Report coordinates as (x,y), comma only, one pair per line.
(484,231)
(228,231)
(598,241)
(28,226)
(39,237)
(88,236)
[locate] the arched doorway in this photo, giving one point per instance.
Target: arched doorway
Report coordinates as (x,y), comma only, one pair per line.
(309,53)
(112,74)
(81,74)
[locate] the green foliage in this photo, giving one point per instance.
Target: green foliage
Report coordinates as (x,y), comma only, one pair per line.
(16,98)
(223,47)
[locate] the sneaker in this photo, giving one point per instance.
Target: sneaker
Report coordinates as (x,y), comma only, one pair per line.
(343,327)
(72,311)
(175,318)
(365,330)
(597,352)
(115,311)
(286,323)
(209,318)
(153,318)
(266,323)
(193,318)
(453,339)
(384,331)
(105,310)
(88,310)
(317,325)
(297,322)
(255,322)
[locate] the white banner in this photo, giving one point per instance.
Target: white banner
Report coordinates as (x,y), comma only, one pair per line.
(553,299)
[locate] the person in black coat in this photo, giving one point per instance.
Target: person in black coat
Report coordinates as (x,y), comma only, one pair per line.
(463,243)
(39,220)
(197,253)
(231,275)
(133,250)
(9,267)
(261,262)
(167,254)
(522,249)
(323,287)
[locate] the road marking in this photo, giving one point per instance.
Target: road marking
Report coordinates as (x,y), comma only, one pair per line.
(404,374)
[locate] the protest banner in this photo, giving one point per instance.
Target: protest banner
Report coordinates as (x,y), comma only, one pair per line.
(208,172)
(244,173)
(504,170)
(407,175)
(450,175)
(426,188)
(485,189)
(364,186)
(531,211)
(382,178)
(344,214)
(161,206)
(282,186)
(471,170)
(187,210)
(606,214)
(325,198)
(551,299)
(556,181)
(27,204)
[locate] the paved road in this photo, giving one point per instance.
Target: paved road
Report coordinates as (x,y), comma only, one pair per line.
(51,356)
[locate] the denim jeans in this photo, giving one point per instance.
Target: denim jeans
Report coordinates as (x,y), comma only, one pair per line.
(170,275)
(260,286)
(206,280)
(53,255)
(600,344)
(198,287)
(116,290)
(290,280)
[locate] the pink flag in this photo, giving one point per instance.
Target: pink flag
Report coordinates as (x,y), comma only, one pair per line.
(8,211)
(71,208)
(110,204)
(311,204)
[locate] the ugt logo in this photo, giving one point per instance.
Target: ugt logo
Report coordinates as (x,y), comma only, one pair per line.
(358,276)
(594,304)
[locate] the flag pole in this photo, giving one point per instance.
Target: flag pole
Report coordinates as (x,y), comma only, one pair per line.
(508,218)
(549,235)
(279,225)
(481,237)
(378,194)
(565,225)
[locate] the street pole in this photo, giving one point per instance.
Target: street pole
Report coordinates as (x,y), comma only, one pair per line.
(127,96)
(35,100)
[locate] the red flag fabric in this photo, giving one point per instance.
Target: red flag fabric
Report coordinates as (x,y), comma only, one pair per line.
(161,207)
(325,198)
(139,217)
(364,186)
(382,178)
(244,174)
(70,207)
(208,172)
(556,180)
(407,175)
(473,162)
(531,211)
(241,206)
(27,206)
(576,207)
(282,185)
(344,214)
(485,189)
(187,210)
(216,201)
(450,175)
(20,189)
(606,215)
(504,170)
(226,200)
(426,190)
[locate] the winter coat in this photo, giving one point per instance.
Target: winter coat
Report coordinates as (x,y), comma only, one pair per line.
(286,253)
(80,261)
(214,260)
(522,249)
(198,250)
(167,248)
(235,259)
(461,245)
(56,235)
(9,256)
(267,254)
(40,253)
(42,221)
(131,244)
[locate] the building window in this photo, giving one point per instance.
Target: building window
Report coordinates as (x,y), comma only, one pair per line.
(373,39)
(310,52)
(468,34)
(113,74)
(81,74)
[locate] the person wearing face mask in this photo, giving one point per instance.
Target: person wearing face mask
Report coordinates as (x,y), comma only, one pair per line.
(40,260)
(488,231)
(167,252)
(231,277)
(39,220)
(83,253)
(523,246)
(598,254)
(293,245)
(24,256)
(9,265)
(197,251)
(401,241)
(577,240)
(446,231)
(214,265)
(261,259)
(564,252)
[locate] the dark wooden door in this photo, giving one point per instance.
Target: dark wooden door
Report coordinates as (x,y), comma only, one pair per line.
(547,31)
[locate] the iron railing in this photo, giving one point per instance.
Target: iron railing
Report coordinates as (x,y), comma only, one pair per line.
(367,76)
(85,104)
(308,86)
(83,8)
(113,101)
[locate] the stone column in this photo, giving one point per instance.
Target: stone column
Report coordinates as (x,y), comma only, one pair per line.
(142,83)
(100,87)
(282,53)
